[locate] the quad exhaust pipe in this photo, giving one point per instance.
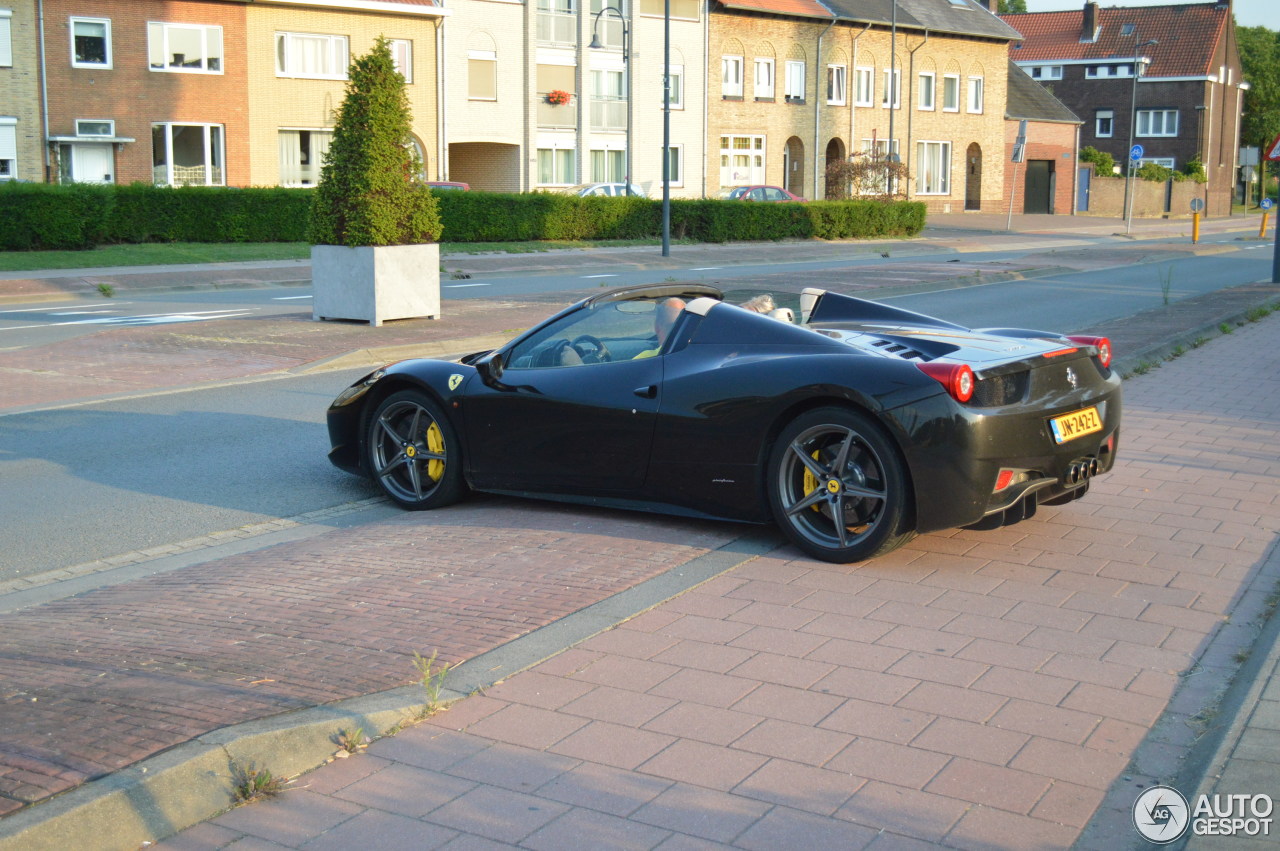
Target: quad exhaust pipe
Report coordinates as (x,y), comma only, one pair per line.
(1081,471)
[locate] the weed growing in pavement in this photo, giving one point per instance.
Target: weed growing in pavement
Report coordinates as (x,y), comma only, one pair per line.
(352,741)
(432,679)
(1198,342)
(106,290)
(1144,367)
(1177,352)
(1225,328)
(254,784)
(1242,656)
(1166,282)
(1253,314)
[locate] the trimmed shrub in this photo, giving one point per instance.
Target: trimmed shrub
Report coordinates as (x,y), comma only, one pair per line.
(34,216)
(146,213)
(1103,163)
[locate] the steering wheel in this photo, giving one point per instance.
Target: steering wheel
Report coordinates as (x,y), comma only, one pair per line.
(599,355)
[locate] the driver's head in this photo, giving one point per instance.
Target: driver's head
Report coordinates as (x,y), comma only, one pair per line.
(668,313)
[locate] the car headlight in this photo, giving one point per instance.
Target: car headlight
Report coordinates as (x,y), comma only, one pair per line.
(355,391)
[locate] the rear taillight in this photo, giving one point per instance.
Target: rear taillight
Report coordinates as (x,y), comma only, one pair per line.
(1103,344)
(956,377)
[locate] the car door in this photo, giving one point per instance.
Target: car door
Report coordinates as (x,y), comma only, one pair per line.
(568,426)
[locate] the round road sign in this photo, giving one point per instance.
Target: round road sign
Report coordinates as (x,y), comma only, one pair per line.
(1197,204)
(1266,203)
(1135,153)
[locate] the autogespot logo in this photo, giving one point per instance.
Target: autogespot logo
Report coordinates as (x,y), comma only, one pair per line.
(1160,814)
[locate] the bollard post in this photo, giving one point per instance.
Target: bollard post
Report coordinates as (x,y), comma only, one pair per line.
(1262,231)
(1195,228)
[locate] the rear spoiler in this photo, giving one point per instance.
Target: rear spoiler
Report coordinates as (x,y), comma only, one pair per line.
(822,306)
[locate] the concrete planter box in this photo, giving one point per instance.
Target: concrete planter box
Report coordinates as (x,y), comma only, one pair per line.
(375,284)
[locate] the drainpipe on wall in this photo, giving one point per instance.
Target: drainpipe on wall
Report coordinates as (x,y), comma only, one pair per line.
(442,95)
(817,108)
(1075,174)
(706,105)
(44,92)
(853,110)
(911,102)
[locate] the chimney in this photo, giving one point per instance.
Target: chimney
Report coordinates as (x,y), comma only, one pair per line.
(1089,29)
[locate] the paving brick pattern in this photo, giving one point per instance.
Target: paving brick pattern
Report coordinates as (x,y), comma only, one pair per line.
(96,682)
(972,690)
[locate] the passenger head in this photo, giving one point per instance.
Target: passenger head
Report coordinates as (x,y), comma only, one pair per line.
(762,303)
(668,313)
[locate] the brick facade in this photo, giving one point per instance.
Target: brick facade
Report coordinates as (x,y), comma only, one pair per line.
(20,90)
(1050,151)
(788,127)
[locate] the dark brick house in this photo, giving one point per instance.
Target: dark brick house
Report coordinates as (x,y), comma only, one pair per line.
(1187,90)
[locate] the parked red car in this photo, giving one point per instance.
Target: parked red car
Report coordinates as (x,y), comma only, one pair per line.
(758,193)
(438,185)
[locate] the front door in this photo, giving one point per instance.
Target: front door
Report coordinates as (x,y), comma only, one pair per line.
(1082,190)
(92,163)
(1038,187)
(973,178)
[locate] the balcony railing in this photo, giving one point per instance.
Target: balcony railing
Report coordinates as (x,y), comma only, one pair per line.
(557,28)
(608,113)
(553,116)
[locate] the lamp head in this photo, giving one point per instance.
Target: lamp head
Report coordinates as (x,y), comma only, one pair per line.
(595,42)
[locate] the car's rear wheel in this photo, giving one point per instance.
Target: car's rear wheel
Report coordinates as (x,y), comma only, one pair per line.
(837,486)
(413,452)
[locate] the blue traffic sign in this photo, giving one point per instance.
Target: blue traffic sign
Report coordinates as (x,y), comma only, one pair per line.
(1265,203)
(1135,153)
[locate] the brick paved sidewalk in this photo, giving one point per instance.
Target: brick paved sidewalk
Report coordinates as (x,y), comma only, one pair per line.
(973,690)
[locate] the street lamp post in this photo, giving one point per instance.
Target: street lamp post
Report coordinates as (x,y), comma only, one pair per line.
(666,128)
(1138,62)
(626,66)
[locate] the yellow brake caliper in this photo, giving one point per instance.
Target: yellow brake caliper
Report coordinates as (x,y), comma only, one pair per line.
(435,443)
(811,482)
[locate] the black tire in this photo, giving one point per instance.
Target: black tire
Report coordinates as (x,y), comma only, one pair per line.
(836,463)
(413,453)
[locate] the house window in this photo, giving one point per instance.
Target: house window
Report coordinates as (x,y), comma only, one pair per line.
(741,160)
(951,93)
(1157,122)
(836,84)
(975,94)
(1104,123)
(1167,162)
(558,22)
(675,165)
(6,38)
(892,85)
(608,27)
(318,57)
(556,166)
(608,166)
(8,148)
(190,48)
(764,79)
(187,155)
(676,80)
(878,149)
(1045,72)
(933,168)
(608,100)
(482,75)
(90,43)
(1104,72)
(863,84)
(302,154)
(795,80)
(95,127)
(928,84)
(402,56)
(731,73)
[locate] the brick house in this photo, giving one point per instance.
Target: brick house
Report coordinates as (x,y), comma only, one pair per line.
(796,84)
(1046,180)
(1187,87)
(21,151)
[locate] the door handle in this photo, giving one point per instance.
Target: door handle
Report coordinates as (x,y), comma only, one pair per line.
(649,391)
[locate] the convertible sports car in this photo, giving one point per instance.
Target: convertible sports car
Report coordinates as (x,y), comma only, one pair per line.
(853,430)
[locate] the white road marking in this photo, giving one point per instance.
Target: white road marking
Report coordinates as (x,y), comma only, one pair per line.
(46,309)
(145,319)
(705,268)
(588,277)
(461,286)
(289,297)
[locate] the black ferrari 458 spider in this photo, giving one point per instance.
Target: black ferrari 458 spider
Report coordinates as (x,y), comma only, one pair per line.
(853,430)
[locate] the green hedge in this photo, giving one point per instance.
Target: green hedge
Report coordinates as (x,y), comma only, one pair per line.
(37,216)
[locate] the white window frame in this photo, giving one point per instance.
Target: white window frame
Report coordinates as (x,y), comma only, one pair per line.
(606,165)
(557,166)
(338,50)
(677,87)
(864,85)
(928,91)
(312,169)
(1146,116)
(837,85)
(1109,71)
(6,38)
(106,22)
(402,56)
(943,158)
(1167,162)
(892,85)
(209,151)
(953,79)
(1107,115)
(795,81)
(975,95)
(210,35)
(111,128)
(676,154)
(490,56)
(764,79)
(753,148)
(8,148)
(731,76)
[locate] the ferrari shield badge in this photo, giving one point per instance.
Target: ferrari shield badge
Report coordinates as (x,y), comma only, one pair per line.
(454,381)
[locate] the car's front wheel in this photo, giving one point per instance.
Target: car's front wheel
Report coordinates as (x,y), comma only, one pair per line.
(413,452)
(837,487)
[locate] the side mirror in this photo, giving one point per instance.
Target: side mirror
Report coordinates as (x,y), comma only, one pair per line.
(490,369)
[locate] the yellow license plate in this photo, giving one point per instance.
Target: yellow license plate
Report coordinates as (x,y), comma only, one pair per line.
(1075,424)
